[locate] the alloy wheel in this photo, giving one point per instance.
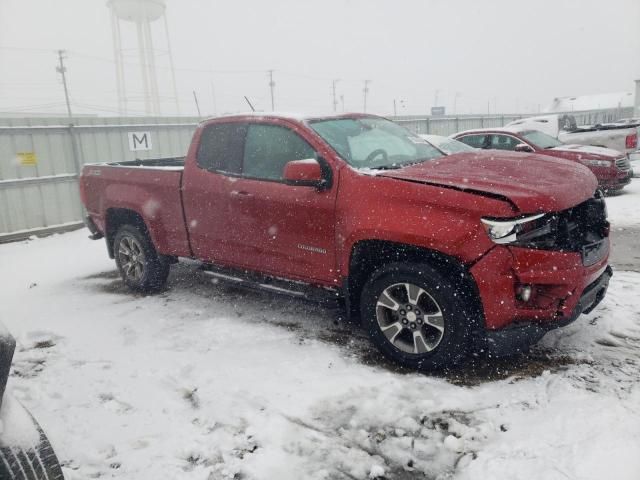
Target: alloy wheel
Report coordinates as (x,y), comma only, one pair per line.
(132,258)
(410,318)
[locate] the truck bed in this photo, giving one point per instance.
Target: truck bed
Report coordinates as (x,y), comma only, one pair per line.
(151,188)
(614,138)
(170,163)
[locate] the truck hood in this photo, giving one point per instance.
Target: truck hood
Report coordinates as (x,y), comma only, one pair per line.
(532,182)
(586,152)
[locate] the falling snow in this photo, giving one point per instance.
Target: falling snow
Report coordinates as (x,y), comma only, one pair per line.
(206,381)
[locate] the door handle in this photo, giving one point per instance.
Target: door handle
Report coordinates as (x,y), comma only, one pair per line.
(241,193)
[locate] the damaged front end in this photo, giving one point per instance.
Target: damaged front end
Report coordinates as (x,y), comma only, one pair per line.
(545,271)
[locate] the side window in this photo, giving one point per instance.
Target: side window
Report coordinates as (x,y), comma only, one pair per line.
(504,142)
(475,141)
(221,147)
(269,148)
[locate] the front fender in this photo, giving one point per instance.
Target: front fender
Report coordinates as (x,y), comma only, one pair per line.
(427,216)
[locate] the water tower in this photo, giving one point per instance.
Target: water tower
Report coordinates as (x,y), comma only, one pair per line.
(142,13)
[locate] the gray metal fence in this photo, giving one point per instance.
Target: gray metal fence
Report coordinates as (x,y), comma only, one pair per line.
(449,125)
(40,158)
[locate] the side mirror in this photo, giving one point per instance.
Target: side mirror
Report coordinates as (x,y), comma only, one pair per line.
(304,173)
(523,147)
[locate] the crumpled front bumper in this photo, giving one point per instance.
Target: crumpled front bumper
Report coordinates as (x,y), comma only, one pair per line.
(563,289)
(518,337)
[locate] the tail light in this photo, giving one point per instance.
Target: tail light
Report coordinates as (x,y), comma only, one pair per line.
(83,190)
(631,141)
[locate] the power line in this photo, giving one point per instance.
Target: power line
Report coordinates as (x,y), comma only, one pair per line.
(195,98)
(162,67)
(27,49)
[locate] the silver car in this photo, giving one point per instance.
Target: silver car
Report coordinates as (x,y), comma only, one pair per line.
(447,145)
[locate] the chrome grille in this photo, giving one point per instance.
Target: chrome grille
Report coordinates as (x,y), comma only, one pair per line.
(623,164)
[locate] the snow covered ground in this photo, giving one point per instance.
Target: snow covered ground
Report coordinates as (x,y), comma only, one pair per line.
(624,208)
(205,381)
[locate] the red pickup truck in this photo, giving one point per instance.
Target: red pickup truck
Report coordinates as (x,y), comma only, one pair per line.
(437,255)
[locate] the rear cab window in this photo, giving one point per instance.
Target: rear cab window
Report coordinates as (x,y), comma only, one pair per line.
(221,147)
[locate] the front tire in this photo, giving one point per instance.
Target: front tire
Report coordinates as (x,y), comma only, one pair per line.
(24,462)
(417,317)
(140,266)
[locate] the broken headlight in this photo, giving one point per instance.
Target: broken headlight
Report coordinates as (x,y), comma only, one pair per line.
(511,230)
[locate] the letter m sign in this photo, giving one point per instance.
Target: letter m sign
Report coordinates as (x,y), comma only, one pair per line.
(139,141)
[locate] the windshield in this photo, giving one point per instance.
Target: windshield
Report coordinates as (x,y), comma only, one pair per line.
(540,140)
(448,145)
(371,142)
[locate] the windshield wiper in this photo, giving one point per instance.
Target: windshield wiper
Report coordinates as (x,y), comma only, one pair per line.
(393,166)
(415,162)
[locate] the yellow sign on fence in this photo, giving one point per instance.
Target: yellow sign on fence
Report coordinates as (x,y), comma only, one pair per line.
(27,159)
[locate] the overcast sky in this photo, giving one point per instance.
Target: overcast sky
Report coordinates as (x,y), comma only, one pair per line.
(497,55)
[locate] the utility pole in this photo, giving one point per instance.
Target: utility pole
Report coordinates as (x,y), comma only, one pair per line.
(342,101)
(455,102)
(213,96)
(62,70)
(75,151)
(435,100)
(395,106)
(335,100)
(195,97)
(272,86)
(365,91)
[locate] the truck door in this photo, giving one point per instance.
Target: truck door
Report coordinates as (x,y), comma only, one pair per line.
(282,229)
(208,183)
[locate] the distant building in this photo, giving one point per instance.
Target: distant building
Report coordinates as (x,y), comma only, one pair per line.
(603,101)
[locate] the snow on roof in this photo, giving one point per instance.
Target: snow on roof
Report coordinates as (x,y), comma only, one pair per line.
(508,129)
(591,102)
(290,115)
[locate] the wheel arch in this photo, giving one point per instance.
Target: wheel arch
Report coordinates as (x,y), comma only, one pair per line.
(367,256)
(116,218)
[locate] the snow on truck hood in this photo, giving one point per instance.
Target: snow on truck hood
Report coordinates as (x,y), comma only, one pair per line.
(533,183)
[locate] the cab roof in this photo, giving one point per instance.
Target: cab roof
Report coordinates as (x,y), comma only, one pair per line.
(293,116)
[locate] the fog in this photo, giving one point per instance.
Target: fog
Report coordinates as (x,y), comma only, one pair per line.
(472,57)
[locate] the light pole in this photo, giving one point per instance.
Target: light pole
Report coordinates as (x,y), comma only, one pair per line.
(335,100)
(365,90)
(272,86)
(455,102)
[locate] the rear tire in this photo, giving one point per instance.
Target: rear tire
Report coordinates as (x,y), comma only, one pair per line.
(417,316)
(140,266)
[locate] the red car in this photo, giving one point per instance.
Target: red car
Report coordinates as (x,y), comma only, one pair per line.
(611,168)
(438,255)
